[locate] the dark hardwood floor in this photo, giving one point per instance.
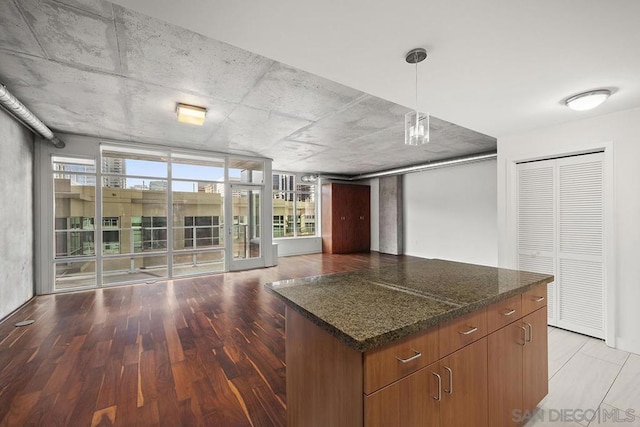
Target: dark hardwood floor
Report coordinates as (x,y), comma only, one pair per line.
(199,351)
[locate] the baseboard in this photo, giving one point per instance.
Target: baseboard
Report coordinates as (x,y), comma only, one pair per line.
(17,309)
(630,345)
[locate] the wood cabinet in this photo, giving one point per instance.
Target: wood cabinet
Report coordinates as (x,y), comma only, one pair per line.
(536,367)
(518,368)
(464,386)
(454,374)
(410,402)
(346,222)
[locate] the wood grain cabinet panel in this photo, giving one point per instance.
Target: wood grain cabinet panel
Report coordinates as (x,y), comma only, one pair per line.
(464,387)
(462,331)
(392,362)
(346,222)
(536,367)
(506,365)
(534,299)
(407,403)
(504,312)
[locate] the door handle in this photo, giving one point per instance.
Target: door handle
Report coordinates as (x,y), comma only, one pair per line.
(524,339)
(471,330)
(450,391)
(530,331)
(415,356)
(438,397)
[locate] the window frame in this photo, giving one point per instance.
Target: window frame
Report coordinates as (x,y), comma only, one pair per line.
(291,195)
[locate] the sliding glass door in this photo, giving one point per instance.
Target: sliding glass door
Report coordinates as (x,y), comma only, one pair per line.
(130,215)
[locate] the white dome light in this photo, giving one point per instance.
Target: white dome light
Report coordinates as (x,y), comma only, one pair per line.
(587,100)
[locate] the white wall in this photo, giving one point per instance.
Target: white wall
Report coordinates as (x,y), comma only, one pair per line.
(16,215)
(450,213)
(621,131)
(375,213)
(298,245)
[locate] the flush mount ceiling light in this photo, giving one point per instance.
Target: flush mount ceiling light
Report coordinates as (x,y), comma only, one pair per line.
(587,100)
(191,114)
(416,124)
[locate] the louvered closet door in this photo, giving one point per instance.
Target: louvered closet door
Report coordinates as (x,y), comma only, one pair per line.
(560,231)
(537,223)
(580,269)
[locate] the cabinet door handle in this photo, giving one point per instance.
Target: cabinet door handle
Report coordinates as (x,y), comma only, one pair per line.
(343,218)
(530,331)
(508,312)
(361,216)
(438,397)
(450,391)
(415,356)
(471,330)
(539,299)
(524,340)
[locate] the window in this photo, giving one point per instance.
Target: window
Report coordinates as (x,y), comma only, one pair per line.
(154,233)
(294,207)
(206,230)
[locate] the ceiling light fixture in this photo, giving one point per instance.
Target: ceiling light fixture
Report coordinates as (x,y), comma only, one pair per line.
(587,100)
(416,124)
(191,114)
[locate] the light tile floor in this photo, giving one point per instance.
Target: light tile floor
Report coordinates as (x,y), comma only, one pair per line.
(590,384)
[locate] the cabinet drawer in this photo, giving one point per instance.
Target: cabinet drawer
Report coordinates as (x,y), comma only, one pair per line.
(504,312)
(464,330)
(387,364)
(534,299)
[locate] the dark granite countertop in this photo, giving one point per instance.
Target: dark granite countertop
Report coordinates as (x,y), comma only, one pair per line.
(367,309)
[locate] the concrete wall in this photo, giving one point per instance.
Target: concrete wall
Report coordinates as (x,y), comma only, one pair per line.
(622,132)
(16,214)
(391,238)
(450,213)
(375,213)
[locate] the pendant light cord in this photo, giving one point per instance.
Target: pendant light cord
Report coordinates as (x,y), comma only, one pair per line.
(415,57)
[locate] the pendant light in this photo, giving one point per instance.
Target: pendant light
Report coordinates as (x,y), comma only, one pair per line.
(416,124)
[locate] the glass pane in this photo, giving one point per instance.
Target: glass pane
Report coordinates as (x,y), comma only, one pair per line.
(241,170)
(283,182)
(283,214)
(74,207)
(198,169)
(246,224)
(305,215)
(71,165)
(194,237)
(122,163)
(140,268)
(77,274)
(306,188)
(198,263)
(134,217)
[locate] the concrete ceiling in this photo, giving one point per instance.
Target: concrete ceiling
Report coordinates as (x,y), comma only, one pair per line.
(91,67)
(95,68)
(495,66)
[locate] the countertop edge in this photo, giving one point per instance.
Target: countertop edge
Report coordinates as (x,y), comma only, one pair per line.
(396,334)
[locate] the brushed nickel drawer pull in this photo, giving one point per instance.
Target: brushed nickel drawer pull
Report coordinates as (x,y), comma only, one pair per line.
(414,357)
(469,332)
(539,299)
(524,340)
(508,312)
(450,391)
(439,396)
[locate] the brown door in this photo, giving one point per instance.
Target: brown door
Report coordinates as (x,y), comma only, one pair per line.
(536,369)
(410,402)
(505,347)
(361,218)
(464,385)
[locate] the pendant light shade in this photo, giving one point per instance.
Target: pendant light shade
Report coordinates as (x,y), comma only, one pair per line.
(416,128)
(416,123)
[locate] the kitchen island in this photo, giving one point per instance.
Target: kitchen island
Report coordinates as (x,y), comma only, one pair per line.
(422,343)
